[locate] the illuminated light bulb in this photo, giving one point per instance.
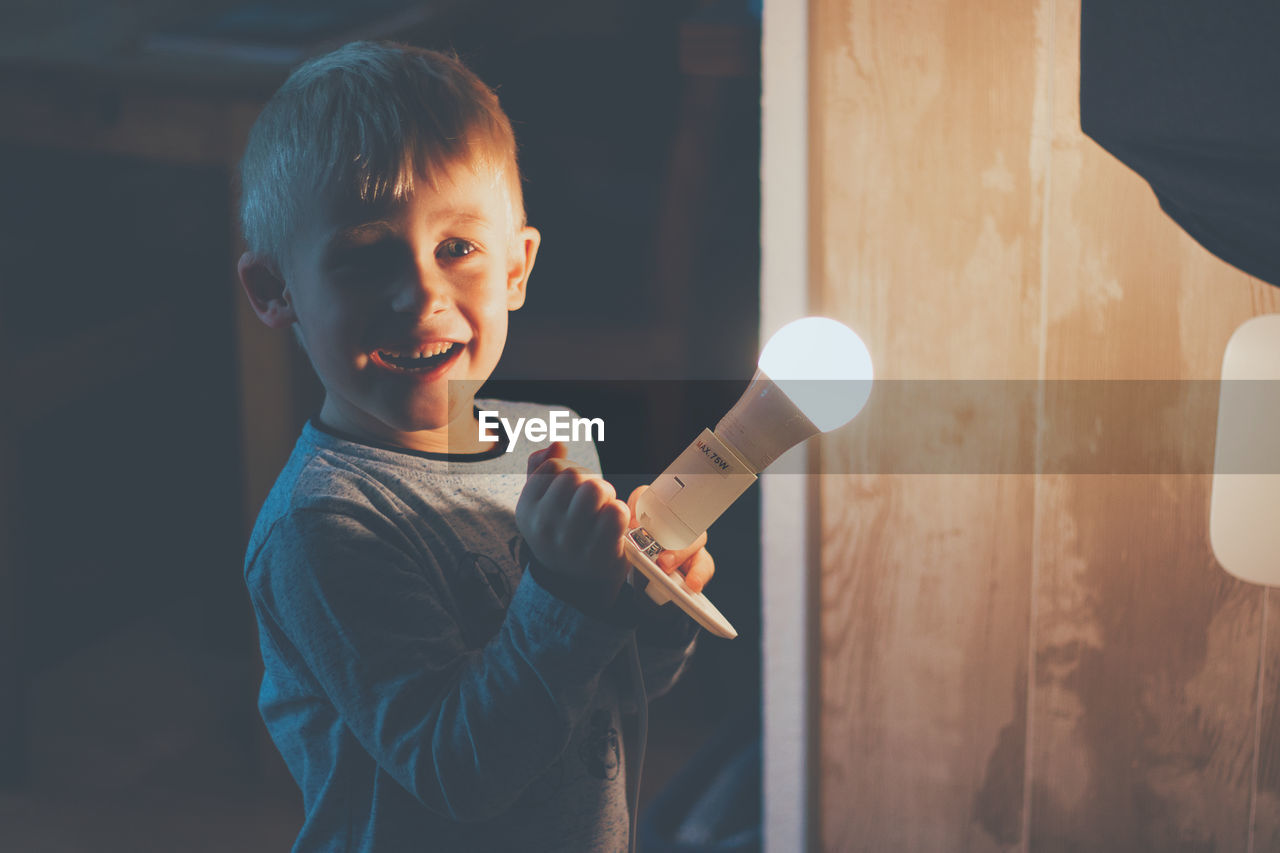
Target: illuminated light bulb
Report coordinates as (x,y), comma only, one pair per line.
(814,376)
(817,348)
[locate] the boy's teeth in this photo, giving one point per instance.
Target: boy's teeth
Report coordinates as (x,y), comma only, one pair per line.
(429,352)
(400,359)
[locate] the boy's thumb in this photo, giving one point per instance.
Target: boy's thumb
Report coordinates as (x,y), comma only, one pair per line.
(554,450)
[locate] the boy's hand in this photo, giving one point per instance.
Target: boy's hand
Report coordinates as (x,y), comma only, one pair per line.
(573,522)
(694,561)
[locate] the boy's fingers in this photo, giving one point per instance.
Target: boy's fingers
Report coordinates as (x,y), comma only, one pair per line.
(611,523)
(563,483)
(540,476)
(693,557)
(669,560)
(620,513)
(631,505)
(588,499)
(699,570)
(554,450)
(540,473)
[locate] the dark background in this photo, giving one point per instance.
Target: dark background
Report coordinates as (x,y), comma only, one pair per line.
(129,648)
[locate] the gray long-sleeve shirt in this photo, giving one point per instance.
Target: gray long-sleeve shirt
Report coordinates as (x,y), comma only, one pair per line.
(425,691)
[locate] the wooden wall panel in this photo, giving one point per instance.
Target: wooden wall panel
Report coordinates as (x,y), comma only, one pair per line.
(928,175)
(1144,705)
(1266,822)
(1050,662)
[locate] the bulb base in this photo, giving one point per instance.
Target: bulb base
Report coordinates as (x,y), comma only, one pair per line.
(694,490)
(764,423)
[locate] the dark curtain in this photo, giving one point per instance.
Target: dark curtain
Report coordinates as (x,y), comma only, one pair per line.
(1187,94)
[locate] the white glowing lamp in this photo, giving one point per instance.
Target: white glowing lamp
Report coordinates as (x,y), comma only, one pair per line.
(814,376)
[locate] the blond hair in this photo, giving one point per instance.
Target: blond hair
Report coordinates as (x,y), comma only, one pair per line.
(367,121)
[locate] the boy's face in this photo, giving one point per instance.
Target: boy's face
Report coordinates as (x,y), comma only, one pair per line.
(394,303)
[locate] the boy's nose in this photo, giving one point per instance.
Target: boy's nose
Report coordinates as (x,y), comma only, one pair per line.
(421,291)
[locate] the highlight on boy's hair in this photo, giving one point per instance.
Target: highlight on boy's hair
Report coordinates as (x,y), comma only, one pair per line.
(367,122)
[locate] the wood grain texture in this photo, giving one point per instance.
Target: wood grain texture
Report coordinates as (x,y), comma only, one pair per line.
(928,174)
(1044,662)
(1266,822)
(1146,653)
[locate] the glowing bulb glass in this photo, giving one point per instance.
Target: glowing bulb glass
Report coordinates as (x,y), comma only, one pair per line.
(823,367)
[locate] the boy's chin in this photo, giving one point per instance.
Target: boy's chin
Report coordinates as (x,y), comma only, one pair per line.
(455,420)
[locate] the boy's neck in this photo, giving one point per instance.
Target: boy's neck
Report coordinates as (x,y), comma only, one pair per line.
(462,436)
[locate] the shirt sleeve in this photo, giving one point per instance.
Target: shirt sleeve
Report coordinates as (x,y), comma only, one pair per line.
(666,637)
(464,731)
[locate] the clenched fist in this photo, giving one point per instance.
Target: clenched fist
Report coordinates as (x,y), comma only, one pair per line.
(573,522)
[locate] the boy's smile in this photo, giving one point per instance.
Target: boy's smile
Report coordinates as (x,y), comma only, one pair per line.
(424,360)
(402,308)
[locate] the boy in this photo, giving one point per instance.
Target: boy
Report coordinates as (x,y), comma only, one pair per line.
(425,690)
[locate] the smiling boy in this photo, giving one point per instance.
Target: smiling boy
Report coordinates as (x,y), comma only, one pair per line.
(386,352)
(446,633)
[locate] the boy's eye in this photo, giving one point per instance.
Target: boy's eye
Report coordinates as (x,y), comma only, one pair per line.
(455,248)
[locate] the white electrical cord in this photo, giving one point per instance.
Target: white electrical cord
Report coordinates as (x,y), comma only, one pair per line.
(637,678)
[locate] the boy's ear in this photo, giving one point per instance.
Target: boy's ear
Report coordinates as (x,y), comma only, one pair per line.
(266,290)
(522,257)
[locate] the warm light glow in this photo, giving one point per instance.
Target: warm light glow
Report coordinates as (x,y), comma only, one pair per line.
(823,367)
